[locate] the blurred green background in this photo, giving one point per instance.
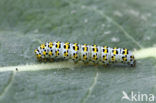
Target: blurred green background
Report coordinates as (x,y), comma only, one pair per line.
(25,24)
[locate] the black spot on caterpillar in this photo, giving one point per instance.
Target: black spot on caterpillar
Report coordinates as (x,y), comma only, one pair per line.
(83,52)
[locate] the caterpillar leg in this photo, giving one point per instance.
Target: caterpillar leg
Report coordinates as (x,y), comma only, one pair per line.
(44,60)
(86,63)
(106,65)
(95,64)
(51,59)
(75,62)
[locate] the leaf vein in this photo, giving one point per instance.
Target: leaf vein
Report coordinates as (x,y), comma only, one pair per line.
(10,81)
(114,22)
(117,24)
(90,89)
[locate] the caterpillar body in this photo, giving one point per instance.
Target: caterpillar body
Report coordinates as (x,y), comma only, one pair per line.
(86,53)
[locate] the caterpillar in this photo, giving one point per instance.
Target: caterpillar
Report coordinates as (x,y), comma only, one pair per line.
(86,53)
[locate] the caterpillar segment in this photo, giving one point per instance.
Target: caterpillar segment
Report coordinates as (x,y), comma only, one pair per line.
(105,55)
(75,52)
(66,50)
(86,53)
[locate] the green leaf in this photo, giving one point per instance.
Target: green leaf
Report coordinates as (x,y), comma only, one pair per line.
(25,24)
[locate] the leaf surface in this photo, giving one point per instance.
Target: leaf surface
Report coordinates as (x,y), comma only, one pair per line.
(25,24)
